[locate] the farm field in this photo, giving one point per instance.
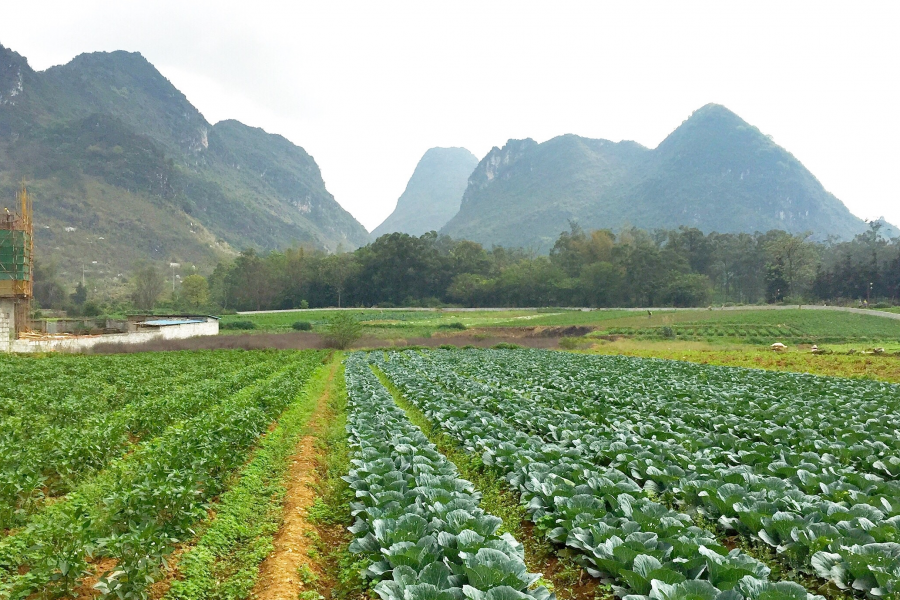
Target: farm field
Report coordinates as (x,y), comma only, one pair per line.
(606,454)
(794,326)
(110,463)
(443,474)
(388,324)
(732,326)
(884,367)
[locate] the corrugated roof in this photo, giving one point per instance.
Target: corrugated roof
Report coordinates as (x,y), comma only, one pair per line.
(166,322)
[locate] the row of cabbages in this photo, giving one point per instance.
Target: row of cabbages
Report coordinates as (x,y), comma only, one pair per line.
(416,520)
(821,516)
(800,413)
(638,545)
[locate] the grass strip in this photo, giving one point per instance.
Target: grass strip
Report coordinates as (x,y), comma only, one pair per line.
(225,562)
(340,575)
(856,366)
(561,574)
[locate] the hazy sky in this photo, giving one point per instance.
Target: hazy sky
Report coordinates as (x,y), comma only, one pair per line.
(367,87)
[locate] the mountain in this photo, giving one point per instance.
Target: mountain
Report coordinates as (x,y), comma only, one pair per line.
(433,193)
(715,172)
(122,168)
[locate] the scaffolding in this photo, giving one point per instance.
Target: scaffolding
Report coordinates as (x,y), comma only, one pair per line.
(17,259)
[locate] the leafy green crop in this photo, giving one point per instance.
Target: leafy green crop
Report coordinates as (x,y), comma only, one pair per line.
(593,481)
(416,521)
(144,503)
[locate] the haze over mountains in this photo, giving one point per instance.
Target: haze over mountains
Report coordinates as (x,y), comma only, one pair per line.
(122,167)
(433,193)
(714,172)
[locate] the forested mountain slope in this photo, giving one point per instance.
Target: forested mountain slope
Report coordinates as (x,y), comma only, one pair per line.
(123,168)
(714,172)
(433,193)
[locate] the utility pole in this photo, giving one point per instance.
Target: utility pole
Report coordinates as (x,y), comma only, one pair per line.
(173,265)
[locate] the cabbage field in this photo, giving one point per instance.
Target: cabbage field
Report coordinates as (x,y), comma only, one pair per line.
(168,475)
(646,467)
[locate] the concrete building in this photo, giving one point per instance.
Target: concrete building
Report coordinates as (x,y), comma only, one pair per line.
(140,329)
(16,267)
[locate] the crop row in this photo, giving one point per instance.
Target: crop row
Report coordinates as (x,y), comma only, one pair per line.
(791,502)
(75,436)
(224,563)
(675,440)
(641,546)
(417,522)
(139,508)
(777,333)
(801,412)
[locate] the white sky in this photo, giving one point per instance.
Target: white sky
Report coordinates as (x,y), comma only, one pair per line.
(367,87)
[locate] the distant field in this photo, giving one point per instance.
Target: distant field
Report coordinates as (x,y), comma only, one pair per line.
(753,327)
(395,323)
(757,326)
(867,366)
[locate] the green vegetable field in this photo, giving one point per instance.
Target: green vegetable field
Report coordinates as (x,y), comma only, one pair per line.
(117,458)
(443,475)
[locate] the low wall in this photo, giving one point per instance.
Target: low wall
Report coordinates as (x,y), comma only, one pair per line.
(179,332)
(7,323)
(81,343)
(86,342)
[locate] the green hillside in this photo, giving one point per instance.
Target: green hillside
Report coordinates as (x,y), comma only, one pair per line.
(123,168)
(715,172)
(433,193)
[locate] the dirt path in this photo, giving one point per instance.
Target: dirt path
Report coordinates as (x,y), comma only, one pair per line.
(279,573)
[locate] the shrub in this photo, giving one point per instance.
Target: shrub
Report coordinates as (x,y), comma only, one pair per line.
(342,330)
(506,346)
(301,326)
(667,332)
(454,325)
(239,325)
(571,343)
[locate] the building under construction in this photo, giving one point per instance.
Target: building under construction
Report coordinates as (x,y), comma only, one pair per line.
(16,268)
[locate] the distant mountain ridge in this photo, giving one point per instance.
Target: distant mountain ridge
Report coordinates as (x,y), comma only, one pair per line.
(124,168)
(433,194)
(714,172)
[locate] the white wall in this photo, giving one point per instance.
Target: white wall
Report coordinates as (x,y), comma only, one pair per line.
(7,324)
(82,343)
(179,332)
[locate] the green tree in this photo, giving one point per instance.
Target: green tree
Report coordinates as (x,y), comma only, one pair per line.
(149,284)
(195,291)
(342,330)
(48,291)
(687,289)
(79,296)
(338,270)
(792,259)
(600,284)
(250,283)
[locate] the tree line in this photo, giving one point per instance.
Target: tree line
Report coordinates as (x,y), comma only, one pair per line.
(679,267)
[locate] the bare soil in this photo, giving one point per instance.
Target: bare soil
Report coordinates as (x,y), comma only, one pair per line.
(483,337)
(294,340)
(294,543)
